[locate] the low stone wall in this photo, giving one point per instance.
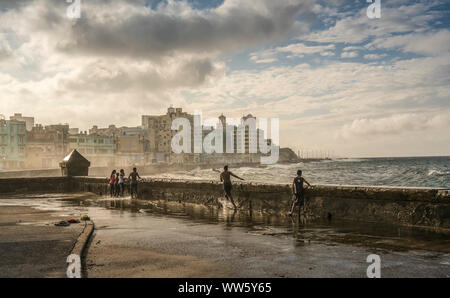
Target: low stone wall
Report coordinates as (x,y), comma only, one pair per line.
(152,169)
(404,206)
(43,184)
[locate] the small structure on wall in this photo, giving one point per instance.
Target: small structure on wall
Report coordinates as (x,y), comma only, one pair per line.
(75,164)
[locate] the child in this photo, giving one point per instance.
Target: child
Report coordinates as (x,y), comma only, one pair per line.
(112,179)
(116,185)
(134,182)
(121,182)
(297,191)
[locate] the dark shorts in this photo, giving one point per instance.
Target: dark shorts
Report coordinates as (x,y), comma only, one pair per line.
(227,188)
(134,186)
(299,200)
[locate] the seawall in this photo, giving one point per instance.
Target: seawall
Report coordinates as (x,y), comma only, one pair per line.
(153,169)
(41,184)
(400,206)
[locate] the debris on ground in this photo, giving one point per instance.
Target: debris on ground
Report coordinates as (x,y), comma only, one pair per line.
(62,223)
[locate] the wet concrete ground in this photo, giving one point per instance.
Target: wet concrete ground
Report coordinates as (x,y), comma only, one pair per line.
(30,244)
(143,239)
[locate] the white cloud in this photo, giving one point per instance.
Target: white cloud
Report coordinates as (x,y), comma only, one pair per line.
(349,54)
(397,124)
(430,43)
(300,49)
(374,56)
(267,56)
(396,18)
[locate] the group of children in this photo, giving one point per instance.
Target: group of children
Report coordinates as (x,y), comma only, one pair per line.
(117,186)
(117,183)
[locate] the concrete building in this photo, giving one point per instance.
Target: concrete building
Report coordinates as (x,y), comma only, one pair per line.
(133,147)
(132,144)
(98,149)
(28,120)
(13,140)
(74,131)
(161,134)
(46,146)
(110,131)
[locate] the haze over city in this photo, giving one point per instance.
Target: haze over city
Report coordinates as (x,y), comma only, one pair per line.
(337,79)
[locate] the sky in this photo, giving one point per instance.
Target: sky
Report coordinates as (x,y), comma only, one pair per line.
(337,79)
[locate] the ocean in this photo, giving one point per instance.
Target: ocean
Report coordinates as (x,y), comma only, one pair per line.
(401,172)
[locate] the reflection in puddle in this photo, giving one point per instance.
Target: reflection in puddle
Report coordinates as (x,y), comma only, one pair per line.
(379,236)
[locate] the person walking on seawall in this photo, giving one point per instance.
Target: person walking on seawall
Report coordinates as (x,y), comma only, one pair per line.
(116,185)
(134,182)
(112,179)
(225,177)
(298,192)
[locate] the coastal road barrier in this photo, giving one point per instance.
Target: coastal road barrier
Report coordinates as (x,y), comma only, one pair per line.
(421,207)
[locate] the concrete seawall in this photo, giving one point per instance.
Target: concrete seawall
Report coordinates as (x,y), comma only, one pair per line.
(401,206)
(41,184)
(153,169)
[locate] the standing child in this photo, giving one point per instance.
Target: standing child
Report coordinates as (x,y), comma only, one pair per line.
(298,191)
(134,183)
(116,185)
(112,179)
(121,181)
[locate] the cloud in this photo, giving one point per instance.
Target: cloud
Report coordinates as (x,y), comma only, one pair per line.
(374,56)
(129,29)
(396,18)
(397,124)
(267,56)
(114,76)
(5,50)
(430,43)
(126,44)
(300,49)
(349,54)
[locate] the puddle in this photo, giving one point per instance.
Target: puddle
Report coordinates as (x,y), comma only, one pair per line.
(376,236)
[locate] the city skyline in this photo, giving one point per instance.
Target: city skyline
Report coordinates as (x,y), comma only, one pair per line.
(175,137)
(337,79)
